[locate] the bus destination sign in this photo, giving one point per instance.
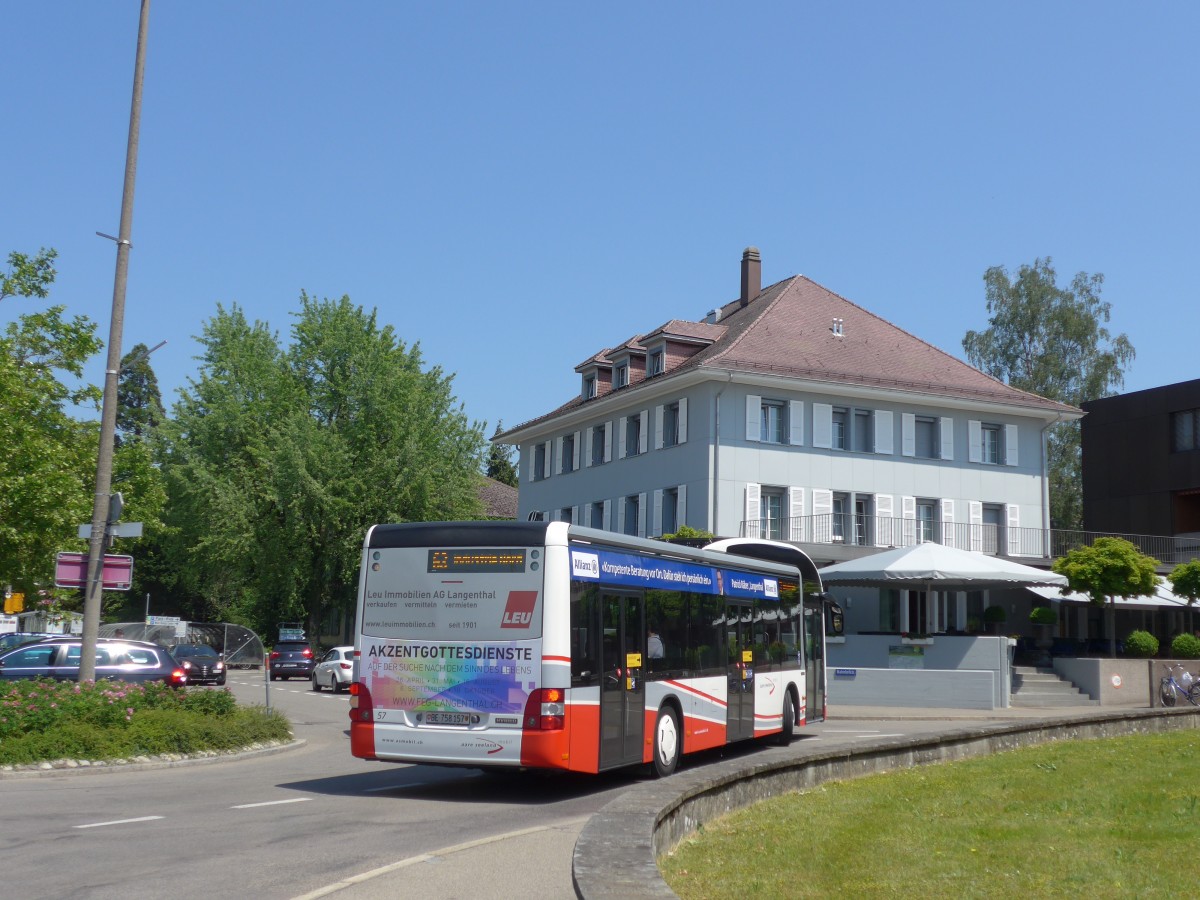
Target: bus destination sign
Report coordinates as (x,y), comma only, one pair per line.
(487,559)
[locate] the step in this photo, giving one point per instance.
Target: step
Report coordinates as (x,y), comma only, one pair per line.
(1040,700)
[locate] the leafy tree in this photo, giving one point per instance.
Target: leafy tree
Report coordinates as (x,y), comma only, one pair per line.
(1111,567)
(279,458)
(1185,582)
(48,464)
(499,463)
(1051,341)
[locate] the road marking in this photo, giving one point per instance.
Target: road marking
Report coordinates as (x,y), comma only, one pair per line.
(119,822)
(433,854)
(847,731)
(271,803)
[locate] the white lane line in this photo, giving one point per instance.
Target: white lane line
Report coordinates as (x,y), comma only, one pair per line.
(271,803)
(425,857)
(847,731)
(119,822)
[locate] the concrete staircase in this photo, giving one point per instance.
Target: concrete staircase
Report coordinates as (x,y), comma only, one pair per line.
(1039,688)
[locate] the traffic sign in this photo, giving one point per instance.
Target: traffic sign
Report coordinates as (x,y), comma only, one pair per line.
(116,529)
(70,571)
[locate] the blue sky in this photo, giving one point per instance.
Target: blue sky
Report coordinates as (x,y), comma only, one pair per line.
(518,185)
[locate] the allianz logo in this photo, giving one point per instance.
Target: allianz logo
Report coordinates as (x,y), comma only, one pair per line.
(585,565)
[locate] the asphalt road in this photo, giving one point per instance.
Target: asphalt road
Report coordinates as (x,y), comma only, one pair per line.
(288,824)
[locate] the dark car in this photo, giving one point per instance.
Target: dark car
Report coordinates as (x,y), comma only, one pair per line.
(203,664)
(291,659)
(12,639)
(116,659)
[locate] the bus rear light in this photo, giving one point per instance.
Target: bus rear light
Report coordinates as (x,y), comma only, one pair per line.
(546,710)
(360,702)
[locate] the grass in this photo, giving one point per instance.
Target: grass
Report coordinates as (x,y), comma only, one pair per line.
(1112,818)
(43,720)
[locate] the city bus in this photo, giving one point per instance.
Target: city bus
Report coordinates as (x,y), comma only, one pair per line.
(546,645)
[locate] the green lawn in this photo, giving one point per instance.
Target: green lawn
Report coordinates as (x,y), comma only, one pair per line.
(1110,818)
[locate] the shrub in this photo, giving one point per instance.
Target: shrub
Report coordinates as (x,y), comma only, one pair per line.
(1043,615)
(1141,644)
(994,615)
(1185,646)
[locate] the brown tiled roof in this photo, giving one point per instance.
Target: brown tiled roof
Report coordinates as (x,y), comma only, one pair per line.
(788,330)
(499,499)
(691,330)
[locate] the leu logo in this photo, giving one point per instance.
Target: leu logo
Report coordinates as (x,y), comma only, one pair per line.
(518,613)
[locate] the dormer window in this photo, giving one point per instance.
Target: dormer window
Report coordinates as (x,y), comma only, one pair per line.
(621,376)
(654,363)
(589,387)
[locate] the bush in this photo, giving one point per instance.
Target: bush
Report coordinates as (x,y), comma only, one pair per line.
(994,615)
(1185,646)
(1141,644)
(1043,615)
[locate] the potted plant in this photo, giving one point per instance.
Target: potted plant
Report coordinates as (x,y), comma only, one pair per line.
(995,616)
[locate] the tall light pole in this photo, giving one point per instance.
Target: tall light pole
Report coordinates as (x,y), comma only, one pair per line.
(108,411)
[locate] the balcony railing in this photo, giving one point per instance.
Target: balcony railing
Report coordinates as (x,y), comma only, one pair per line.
(997,540)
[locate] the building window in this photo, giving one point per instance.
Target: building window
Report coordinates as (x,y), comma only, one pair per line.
(539,462)
(990,446)
(598,434)
(839,517)
(568,453)
(589,387)
(670,510)
(926,517)
(598,514)
(1185,430)
(621,376)
(838,440)
(632,510)
(864,431)
(654,364)
(771,512)
(633,435)
(773,429)
(927,441)
(565,515)
(671,424)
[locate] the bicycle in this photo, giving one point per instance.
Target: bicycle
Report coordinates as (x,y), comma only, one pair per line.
(1170,688)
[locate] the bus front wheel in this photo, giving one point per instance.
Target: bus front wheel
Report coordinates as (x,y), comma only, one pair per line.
(667,742)
(789,721)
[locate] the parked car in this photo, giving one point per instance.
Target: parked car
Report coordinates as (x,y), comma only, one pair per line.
(12,639)
(116,659)
(203,664)
(291,659)
(335,670)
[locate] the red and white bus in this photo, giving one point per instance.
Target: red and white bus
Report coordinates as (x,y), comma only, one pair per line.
(553,646)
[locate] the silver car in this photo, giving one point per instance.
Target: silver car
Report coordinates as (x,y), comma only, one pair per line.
(335,670)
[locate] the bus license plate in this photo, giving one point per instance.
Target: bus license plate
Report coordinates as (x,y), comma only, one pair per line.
(447,718)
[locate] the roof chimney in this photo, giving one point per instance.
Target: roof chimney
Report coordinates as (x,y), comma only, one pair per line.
(751,275)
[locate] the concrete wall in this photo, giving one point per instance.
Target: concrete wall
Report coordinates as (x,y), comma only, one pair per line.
(1113,682)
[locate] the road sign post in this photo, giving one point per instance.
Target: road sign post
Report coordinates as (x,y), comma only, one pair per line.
(70,571)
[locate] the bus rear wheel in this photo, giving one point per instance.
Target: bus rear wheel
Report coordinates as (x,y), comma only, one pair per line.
(789,721)
(667,742)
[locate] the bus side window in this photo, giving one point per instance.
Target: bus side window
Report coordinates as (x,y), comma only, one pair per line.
(585,665)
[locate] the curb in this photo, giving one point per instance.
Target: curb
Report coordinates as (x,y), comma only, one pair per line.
(105,766)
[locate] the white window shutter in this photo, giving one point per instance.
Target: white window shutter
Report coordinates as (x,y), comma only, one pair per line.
(643,430)
(608,439)
(658,427)
(624,420)
(908,434)
(753,417)
(588,449)
(975,514)
(1010,445)
(682,420)
(884,436)
(575,451)
(796,520)
(908,512)
(974,441)
(641,526)
(1012,519)
(576,512)
(948,523)
(822,514)
(657,521)
(532,472)
(884,520)
(947,428)
(796,423)
(753,511)
(822,435)
(608,515)
(681,506)
(547,460)
(558,443)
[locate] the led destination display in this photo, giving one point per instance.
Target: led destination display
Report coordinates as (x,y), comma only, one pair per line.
(472,559)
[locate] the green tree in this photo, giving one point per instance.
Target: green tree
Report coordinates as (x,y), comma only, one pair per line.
(279,458)
(1051,341)
(139,402)
(49,459)
(1185,582)
(499,462)
(1111,567)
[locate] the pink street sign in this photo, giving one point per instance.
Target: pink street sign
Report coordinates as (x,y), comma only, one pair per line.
(70,571)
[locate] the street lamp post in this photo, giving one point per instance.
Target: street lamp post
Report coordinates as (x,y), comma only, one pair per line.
(108,411)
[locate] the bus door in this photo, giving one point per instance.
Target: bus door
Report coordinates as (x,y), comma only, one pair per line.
(814,659)
(740,642)
(623,691)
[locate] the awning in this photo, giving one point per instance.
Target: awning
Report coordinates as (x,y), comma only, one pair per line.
(1163,597)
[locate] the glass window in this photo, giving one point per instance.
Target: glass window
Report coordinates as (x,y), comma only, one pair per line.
(864,431)
(633,435)
(598,514)
(670,511)
(990,448)
(671,424)
(839,428)
(632,508)
(598,444)
(654,365)
(771,524)
(927,443)
(1184,428)
(589,387)
(926,516)
(539,462)
(621,376)
(772,430)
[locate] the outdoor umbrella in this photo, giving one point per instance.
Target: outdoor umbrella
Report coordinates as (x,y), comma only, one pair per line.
(937,567)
